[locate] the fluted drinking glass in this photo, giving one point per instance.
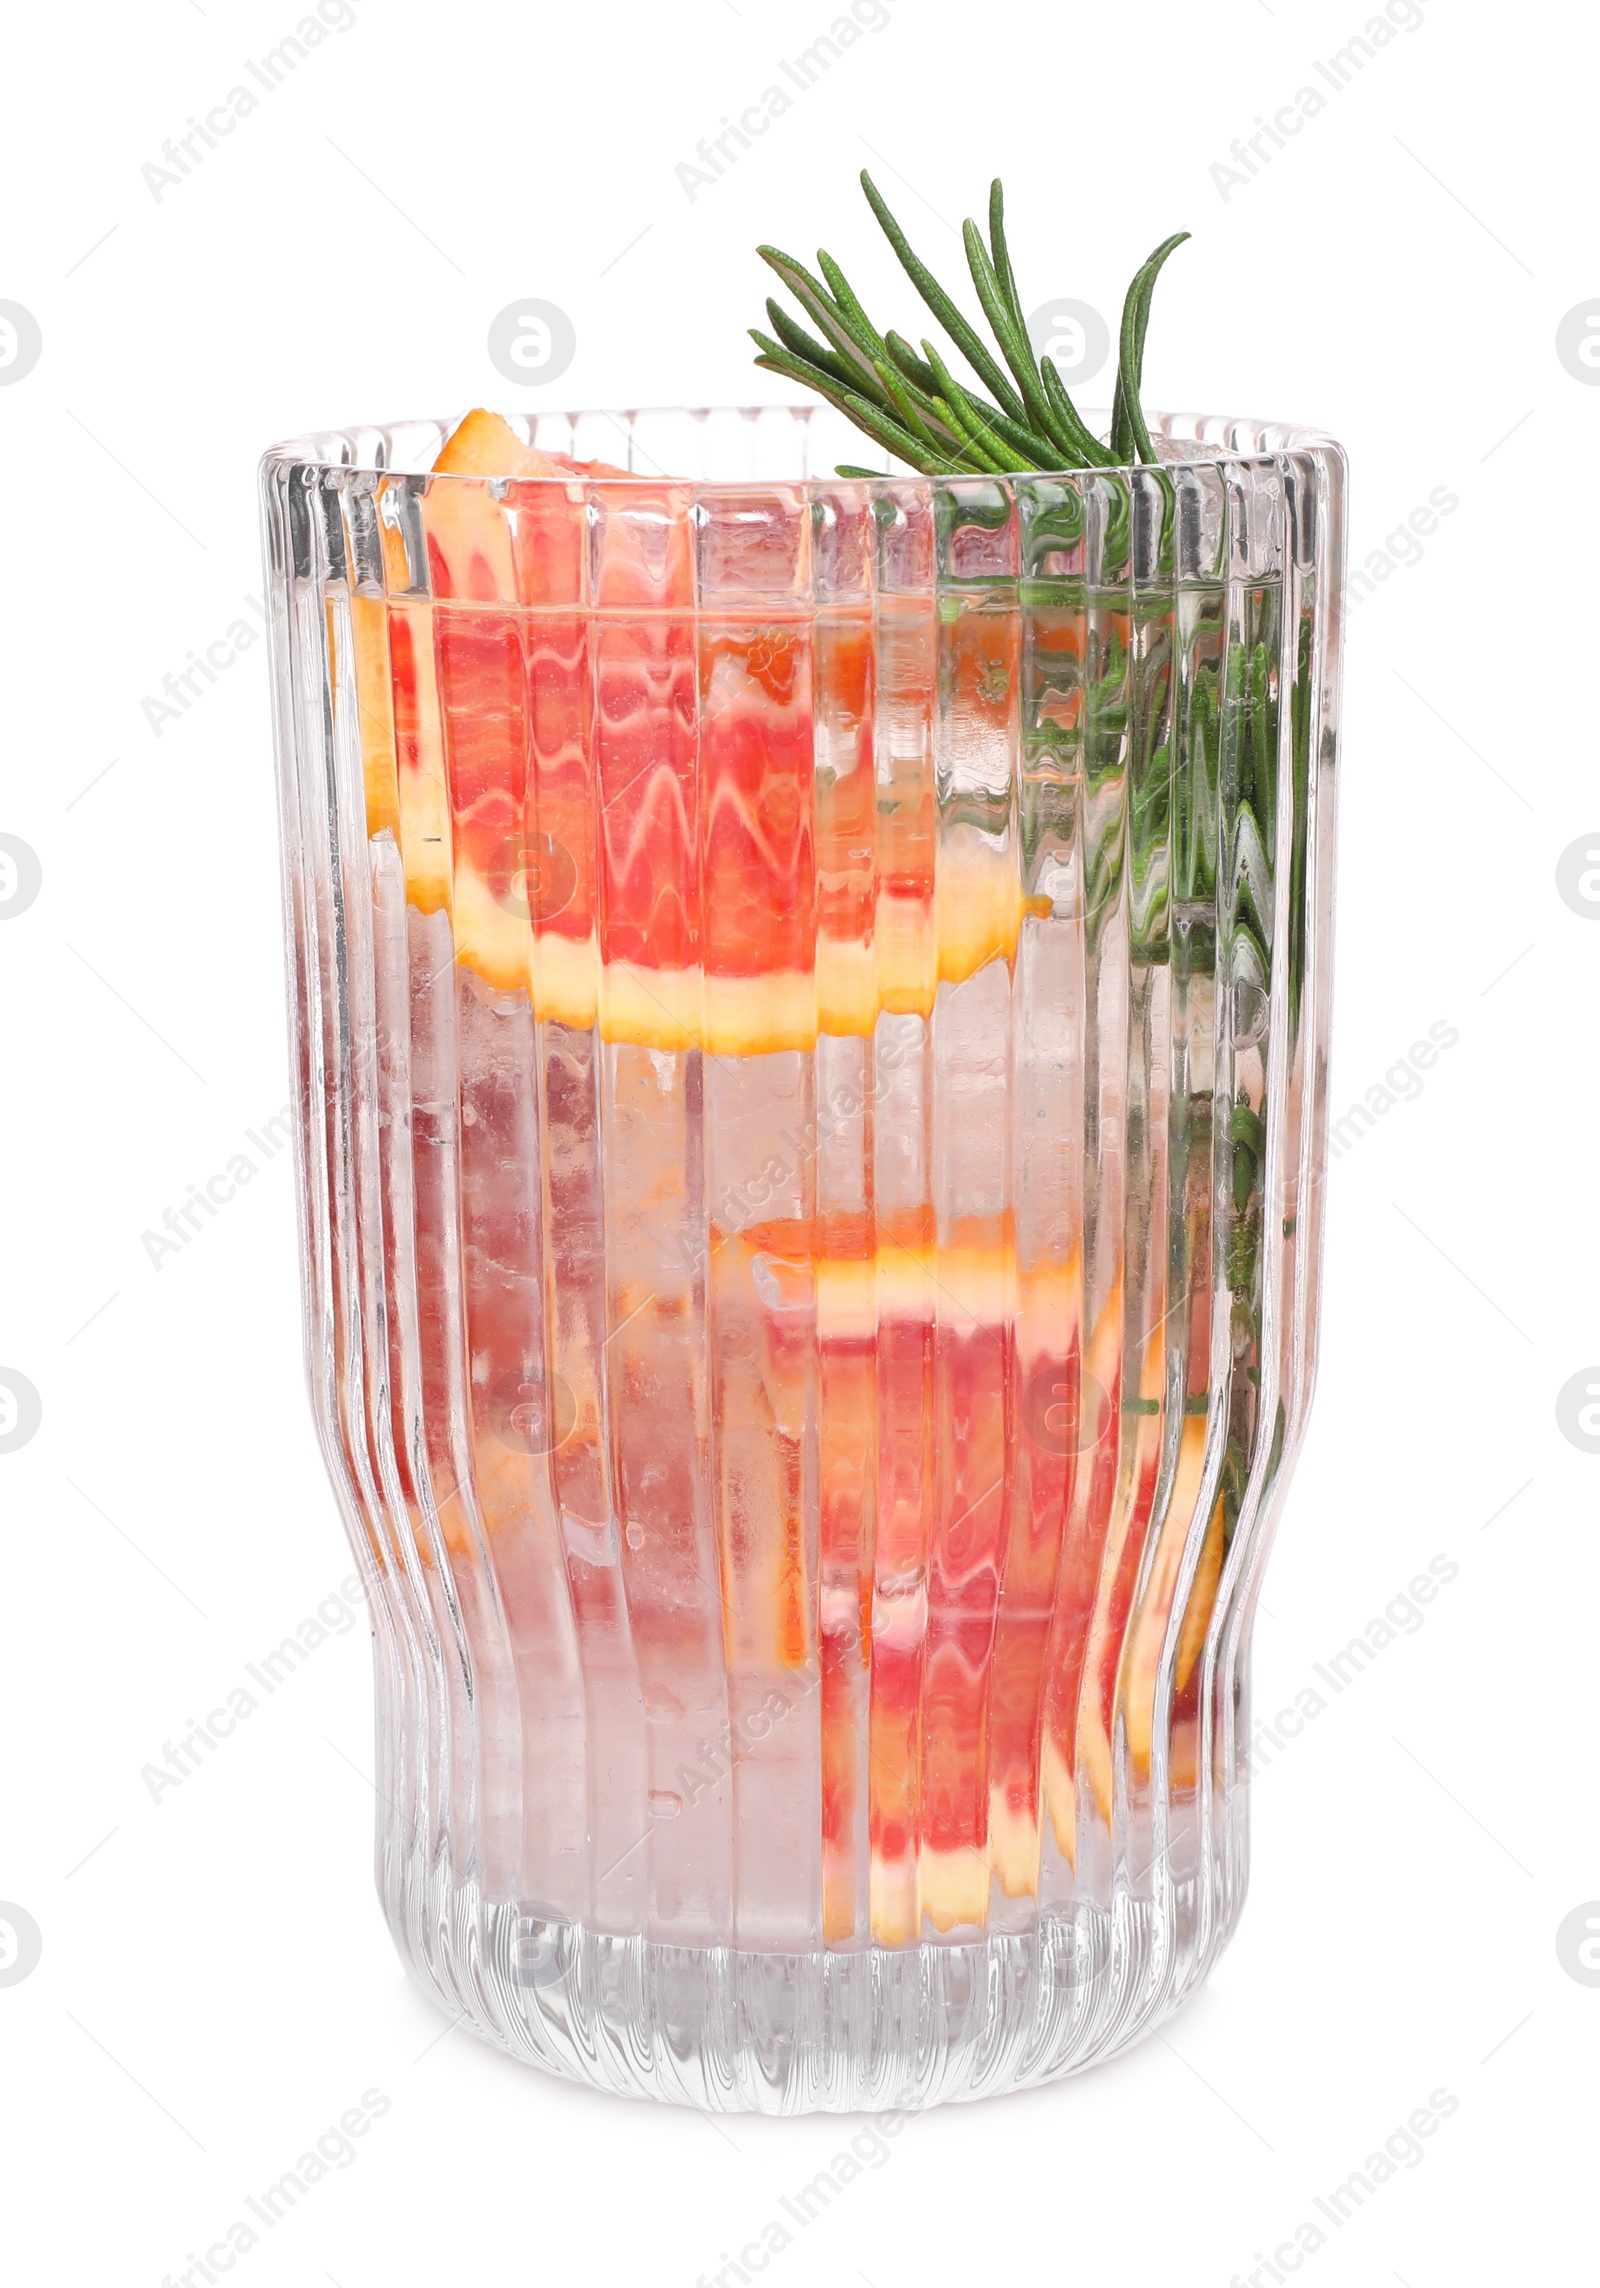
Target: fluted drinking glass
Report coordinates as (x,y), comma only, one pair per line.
(809,1020)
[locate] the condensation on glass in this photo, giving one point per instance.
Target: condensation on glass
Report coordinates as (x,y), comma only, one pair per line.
(809,1015)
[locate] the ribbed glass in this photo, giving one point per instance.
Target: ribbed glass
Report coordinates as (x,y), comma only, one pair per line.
(809,1009)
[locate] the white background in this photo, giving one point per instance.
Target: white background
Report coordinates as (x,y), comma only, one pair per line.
(216,1986)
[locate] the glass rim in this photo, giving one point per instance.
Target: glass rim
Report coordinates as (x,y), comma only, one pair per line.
(1200,441)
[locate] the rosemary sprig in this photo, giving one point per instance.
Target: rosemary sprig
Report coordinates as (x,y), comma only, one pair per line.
(1092,454)
(939,302)
(1010,334)
(884,428)
(803,345)
(914,406)
(1129,434)
(982,443)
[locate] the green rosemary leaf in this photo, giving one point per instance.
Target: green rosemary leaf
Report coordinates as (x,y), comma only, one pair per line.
(805,345)
(882,426)
(859,410)
(1038,450)
(1123,445)
(1000,254)
(1062,434)
(1130,432)
(983,447)
(1032,451)
(1013,341)
(1064,431)
(889,433)
(906,360)
(855,317)
(844,469)
(980,461)
(903,404)
(820,306)
(794,369)
(1090,452)
(886,431)
(939,302)
(798,368)
(931,404)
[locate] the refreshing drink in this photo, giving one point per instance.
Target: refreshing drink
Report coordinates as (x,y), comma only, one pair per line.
(811,997)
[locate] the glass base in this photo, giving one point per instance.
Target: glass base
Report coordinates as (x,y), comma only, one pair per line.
(880,2029)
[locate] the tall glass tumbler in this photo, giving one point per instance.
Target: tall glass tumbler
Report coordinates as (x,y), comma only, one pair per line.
(810,1008)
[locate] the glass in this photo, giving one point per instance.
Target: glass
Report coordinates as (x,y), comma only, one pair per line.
(809,1013)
